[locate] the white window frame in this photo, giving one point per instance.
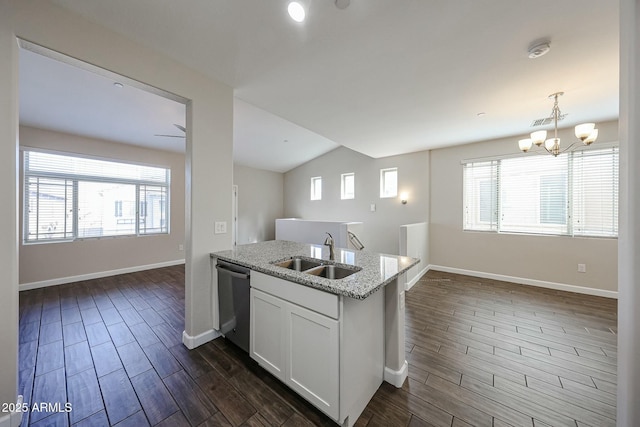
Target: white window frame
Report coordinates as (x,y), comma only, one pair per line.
(475,172)
(347,193)
(73,178)
(316,188)
(385,192)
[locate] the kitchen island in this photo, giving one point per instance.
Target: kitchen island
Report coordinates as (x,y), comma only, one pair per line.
(332,340)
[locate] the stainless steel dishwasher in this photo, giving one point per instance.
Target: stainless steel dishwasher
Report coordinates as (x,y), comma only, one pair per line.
(233,302)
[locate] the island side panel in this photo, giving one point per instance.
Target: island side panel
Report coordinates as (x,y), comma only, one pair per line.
(396,367)
(361,353)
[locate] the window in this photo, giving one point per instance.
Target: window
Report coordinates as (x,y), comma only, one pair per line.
(316,188)
(69,197)
(388,182)
(347,186)
(480,195)
(573,194)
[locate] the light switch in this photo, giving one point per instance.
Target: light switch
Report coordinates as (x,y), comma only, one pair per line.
(373,207)
(220,227)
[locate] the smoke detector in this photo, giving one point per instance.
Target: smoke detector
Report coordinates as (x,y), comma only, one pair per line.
(539,48)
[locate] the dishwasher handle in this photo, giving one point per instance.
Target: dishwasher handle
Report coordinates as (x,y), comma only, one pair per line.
(232,273)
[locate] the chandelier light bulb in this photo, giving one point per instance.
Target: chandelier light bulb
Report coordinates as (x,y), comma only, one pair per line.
(584,130)
(538,137)
(592,137)
(553,146)
(525,144)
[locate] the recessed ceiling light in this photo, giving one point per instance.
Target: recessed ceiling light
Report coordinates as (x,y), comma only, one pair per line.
(118,85)
(296,11)
(481,114)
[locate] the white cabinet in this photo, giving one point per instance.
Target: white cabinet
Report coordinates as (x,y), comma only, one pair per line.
(328,349)
(267,338)
(313,355)
(299,347)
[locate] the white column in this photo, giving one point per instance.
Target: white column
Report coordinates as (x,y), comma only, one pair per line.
(629,226)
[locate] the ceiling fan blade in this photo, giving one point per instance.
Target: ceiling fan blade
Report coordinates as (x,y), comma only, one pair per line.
(170,136)
(182,128)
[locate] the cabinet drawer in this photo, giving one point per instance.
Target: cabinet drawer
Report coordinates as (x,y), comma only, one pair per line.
(313,299)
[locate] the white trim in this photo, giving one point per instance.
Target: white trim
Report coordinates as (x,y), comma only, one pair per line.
(530,282)
(192,342)
(408,285)
(49,53)
(396,378)
(97,275)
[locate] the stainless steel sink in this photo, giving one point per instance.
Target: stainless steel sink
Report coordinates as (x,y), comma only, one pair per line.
(331,271)
(317,267)
(299,263)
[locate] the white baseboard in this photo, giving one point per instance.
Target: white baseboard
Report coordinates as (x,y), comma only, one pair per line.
(396,378)
(530,282)
(408,285)
(192,342)
(98,275)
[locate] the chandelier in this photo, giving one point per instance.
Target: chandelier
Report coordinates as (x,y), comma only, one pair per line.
(586,132)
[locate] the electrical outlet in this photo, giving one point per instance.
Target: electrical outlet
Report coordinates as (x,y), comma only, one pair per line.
(582,268)
(373,207)
(181,247)
(220,227)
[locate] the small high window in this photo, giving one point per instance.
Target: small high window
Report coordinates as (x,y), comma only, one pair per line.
(316,188)
(388,182)
(347,186)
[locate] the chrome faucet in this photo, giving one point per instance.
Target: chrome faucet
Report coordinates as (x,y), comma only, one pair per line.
(329,242)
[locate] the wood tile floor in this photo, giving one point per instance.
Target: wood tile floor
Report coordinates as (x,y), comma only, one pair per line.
(480,352)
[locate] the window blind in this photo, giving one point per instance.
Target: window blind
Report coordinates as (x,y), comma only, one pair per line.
(573,194)
(595,192)
(69,197)
(481,196)
(533,194)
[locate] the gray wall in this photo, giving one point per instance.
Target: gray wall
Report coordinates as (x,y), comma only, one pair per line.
(545,258)
(260,203)
(42,262)
(381,228)
(208,158)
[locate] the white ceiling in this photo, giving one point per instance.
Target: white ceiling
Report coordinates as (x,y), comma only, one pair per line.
(383,77)
(62,97)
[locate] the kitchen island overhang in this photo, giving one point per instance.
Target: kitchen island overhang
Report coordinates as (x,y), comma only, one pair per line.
(377,270)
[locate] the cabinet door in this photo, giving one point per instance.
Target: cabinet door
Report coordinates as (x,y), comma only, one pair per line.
(313,368)
(267,344)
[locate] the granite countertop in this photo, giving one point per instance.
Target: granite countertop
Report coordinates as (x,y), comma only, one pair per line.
(377,269)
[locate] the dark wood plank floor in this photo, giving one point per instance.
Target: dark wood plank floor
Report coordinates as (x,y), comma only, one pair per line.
(480,352)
